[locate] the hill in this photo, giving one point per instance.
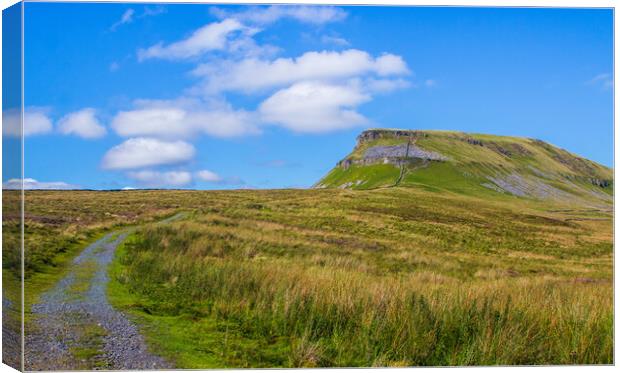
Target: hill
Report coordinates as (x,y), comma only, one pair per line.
(474,164)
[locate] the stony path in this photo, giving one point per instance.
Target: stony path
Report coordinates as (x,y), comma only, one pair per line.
(75,326)
(11,334)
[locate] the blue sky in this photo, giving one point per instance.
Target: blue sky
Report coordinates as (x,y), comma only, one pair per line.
(11,89)
(196,96)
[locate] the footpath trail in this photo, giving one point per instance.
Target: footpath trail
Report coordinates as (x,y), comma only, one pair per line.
(75,327)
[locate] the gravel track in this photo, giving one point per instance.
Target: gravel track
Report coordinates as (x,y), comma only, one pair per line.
(75,326)
(11,334)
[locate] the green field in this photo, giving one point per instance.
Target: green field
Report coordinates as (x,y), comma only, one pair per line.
(438,270)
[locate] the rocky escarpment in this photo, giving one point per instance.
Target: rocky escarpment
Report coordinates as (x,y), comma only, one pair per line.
(398,155)
(383,133)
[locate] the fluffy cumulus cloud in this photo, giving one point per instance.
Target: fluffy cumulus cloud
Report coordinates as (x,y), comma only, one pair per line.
(147,152)
(160,179)
(314,107)
(250,75)
(213,36)
(151,121)
(183,118)
(29,184)
(315,92)
(11,123)
(317,15)
(82,123)
(157,179)
(36,122)
(208,176)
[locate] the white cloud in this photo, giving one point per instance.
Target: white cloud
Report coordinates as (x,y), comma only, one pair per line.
(160,122)
(253,74)
(146,152)
(319,92)
(129,15)
(182,119)
(36,122)
(335,40)
(265,15)
(223,122)
(114,66)
(126,18)
(430,83)
(82,123)
(605,81)
(34,184)
(213,36)
(161,179)
(233,34)
(390,64)
(315,107)
(11,125)
(208,176)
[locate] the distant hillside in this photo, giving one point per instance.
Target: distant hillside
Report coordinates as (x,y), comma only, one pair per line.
(471,164)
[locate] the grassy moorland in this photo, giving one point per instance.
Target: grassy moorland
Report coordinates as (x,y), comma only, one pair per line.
(426,263)
(388,277)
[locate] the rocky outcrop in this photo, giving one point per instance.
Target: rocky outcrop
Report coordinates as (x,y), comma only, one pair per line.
(602,183)
(376,134)
(504,148)
(473,141)
(522,186)
(408,150)
(397,155)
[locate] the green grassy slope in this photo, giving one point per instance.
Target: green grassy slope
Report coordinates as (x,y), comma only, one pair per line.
(478,164)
